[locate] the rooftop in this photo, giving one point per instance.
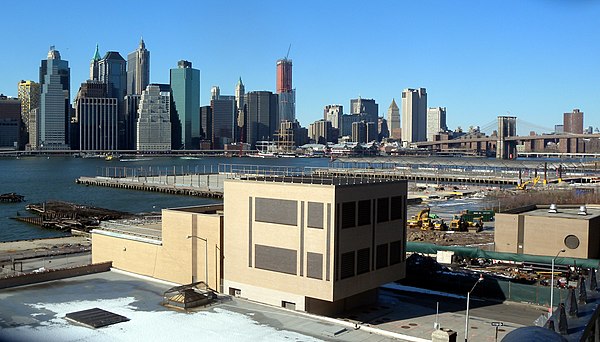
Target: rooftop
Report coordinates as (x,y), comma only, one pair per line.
(562,211)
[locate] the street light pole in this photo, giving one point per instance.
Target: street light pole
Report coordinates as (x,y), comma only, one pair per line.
(467,313)
(205,255)
(552,284)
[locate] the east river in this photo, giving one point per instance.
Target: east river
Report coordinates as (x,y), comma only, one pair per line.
(42,179)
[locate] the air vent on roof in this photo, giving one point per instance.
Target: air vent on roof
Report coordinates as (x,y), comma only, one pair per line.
(552,209)
(582,210)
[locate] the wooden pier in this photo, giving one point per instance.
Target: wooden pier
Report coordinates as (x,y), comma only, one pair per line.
(11,198)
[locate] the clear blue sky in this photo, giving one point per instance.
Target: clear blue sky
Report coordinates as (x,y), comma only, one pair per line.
(534,59)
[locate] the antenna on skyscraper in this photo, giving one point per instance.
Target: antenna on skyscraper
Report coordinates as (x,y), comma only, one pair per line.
(288,53)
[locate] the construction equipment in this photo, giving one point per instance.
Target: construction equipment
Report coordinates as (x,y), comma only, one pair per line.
(420,220)
(524,185)
(439,224)
(486,215)
(460,223)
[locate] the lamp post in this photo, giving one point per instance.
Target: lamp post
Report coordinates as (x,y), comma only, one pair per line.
(552,284)
(468,300)
(205,256)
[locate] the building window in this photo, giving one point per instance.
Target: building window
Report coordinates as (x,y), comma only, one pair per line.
(364,212)
(383,210)
(363,260)
(347,265)
(397,208)
(315,215)
(382,256)
(395,252)
(348,215)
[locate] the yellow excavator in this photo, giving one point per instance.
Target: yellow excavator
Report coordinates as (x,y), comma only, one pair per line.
(421,220)
(460,223)
(525,185)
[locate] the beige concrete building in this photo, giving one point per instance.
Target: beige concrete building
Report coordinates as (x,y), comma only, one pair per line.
(538,230)
(308,243)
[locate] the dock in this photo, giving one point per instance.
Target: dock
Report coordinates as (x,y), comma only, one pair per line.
(11,198)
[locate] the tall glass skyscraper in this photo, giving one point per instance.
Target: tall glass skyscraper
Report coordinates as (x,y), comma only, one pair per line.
(185,90)
(54,118)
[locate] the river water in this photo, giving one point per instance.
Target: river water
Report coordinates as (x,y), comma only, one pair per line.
(42,179)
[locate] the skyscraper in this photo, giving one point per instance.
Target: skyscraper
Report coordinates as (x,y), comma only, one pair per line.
(138,70)
(29,94)
(573,122)
(223,114)
(368,109)
(436,121)
(97,117)
(154,121)
(112,71)
(240,92)
(261,111)
(185,88)
(94,67)
(10,123)
(333,114)
(414,115)
(287,95)
(394,120)
(54,114)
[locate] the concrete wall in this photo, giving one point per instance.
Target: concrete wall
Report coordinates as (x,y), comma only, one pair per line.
(176,258)
(33,278)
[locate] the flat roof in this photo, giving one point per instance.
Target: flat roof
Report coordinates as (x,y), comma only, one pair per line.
(562,211)
(136,229)
(321,180)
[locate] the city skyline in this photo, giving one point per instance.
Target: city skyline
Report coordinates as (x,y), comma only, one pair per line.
(510,58)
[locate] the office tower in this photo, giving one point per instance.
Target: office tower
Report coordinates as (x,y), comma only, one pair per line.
(206,121)
(371,131)
(240,92)
(215,92)
(113,72)
(138,70)
(154,120)
(320,131)
(382,129)
(94,65)
(287,95)
(573,122)
(11,125)
(29,95)
(97,117)
(185,87)
(54,115)
(333,114)
(359,132)
(436,121)
(346,124)
(414,115)
(261,116)
(368,109)
(130,107)
(223,121)
(393,120)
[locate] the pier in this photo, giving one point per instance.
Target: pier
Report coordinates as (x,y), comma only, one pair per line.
(11,198)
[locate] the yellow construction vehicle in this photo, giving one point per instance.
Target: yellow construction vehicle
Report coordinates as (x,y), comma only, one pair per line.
(460,224)
(439,224)
(420,220)
(524,185)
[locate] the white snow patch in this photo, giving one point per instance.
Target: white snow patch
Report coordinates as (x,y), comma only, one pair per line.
(215,325)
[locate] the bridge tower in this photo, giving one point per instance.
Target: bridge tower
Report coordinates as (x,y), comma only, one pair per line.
(507,127)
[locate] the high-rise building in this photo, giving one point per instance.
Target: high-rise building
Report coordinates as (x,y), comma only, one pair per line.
(436,121)
(29,95)
(333,113)
(240,123)
(382,129)
(414,115)
(206,121)
(130,107)
(393,120)
(138,70)
(223,121)
(573,122)
(94,65)
(97,117)
(368,109)
(215,92)
(287,95)
(54,115)
(10,123)
(346,124)
(359,132)
(154,120)
(320,131)
(185,87)
(113,72)
(261,116)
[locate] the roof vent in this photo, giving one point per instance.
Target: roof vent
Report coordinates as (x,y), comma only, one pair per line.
(582,210)
(552,209)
